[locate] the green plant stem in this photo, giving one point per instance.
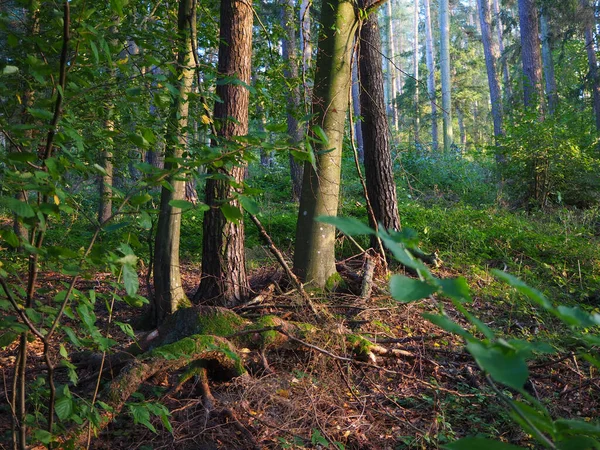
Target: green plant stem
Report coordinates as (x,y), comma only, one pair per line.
(539,435)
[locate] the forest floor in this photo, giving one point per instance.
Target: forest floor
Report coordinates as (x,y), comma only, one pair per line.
(312,397)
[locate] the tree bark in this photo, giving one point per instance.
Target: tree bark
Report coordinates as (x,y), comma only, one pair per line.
(391,45)
(168,292)
(314,257)
(445,70)
(416,67)
(306,46)
(429,56)
(530,54)
(548,63)
(504,62)
(490,51)
(360,149)
(594,81)
(381,186)
(223,254)
(288,44)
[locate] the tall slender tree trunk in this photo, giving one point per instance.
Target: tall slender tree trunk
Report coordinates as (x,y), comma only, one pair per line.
(592,60)
(391,65)
(223,254)
(314,256)
(491,53)
(306,46)
(530,54)
(462,132)
(445,70)
(381,186)
(504,62)
(293,94)
(356,110)
(429,56)
(168,291)
(416,67)
(548,64)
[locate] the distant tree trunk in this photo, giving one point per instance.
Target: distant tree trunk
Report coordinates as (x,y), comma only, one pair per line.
(391,66)
(461,128)
(505,72)
(293,95)
(490,51)
(592,60)
(530,54)
(548,63)
(416,66)
(445,70)
(168,292)
(306,46)
(429,56)
(314,256)
(356,110)
(381,186)
(223,253)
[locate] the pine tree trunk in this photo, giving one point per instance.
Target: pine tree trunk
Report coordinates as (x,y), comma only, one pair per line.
(293,95)
(504,62)
(548,63)
(168,292)
(416,67)
(490,51)
(381,186)
(592,60)
(530,54)
(429,56)
(391,67)
(314,257)
(356,110)
(445,70)
(223,258)
(306,46)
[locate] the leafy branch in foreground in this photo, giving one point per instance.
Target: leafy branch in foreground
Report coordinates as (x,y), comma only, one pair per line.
(503,360)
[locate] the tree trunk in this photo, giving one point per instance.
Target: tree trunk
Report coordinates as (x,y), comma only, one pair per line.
(445,70)
(461,128)
(314,257)
(490,51)
(223,258)
(548,63)
(356,110)
(306,46)
(390,64)
(381,187)
(592,61)
(293,95)
(429,56)
(504,62)
(530,54)
(416,66)
(168,292)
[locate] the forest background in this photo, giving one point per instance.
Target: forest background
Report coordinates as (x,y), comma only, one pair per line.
(185,195)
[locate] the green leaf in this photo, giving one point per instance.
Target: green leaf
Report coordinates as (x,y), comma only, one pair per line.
(139,140)
(455,288)
(10,237)
(184,205)
(507,368)
(140,199)
(64,407)
(141,415)
(42,114)
(130,280)
(347,225)
(318,439)
(231,213)
(94,48)
(406,289)
(572,426)
(249,204)
(18,207)
(576,317)
(22,156)
(133,91)
(145,221)
(446,324)
(42,435)
(9,70)
(472,443)
(578,443)
(7,337)
(523,288)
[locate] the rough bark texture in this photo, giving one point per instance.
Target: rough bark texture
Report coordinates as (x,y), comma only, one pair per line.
(356,111)
(445,70)
(530,53)
(168,292)
(223,258)
(548,63)
(592,60)
(381,187)
(429,56)
(490,51)
(306,46)
(288,47)
(314,257)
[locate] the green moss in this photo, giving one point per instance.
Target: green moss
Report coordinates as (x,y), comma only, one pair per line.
(334,282)
(360,346)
